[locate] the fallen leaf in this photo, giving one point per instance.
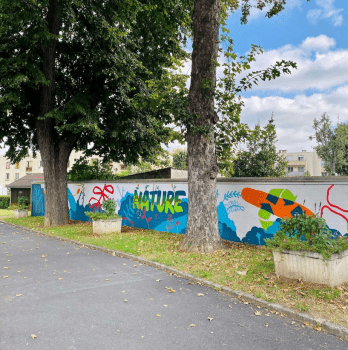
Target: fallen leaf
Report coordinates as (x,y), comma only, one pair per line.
(134,265)
(158,280)
(230,306)
(5,276)
(33,336)
(107,279)
(293,322)
(242,273)
(192,325)
(210,318)
(60,278)
(113,254)
(124,264)
(18,295)
(125,300)
(165,305)
(171,290)
(43,256)
(115,272)
(158,315)
(200,294)
(5,267)
(123,291)
(258,313)
(266,324)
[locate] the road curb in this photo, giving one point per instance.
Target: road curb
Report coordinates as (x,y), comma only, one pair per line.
(329,327)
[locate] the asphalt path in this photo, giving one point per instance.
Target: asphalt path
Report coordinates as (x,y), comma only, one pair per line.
(57,295)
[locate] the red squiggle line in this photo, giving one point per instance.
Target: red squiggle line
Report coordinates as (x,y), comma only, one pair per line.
(333,211)
(333,205)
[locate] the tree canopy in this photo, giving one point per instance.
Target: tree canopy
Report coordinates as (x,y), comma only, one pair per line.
(332,144)
(86,75)
(260,159)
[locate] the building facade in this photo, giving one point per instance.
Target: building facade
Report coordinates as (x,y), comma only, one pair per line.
(304,163)
(11,172)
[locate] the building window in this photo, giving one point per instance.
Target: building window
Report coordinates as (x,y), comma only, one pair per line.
(300,158)
(323,174)
(17,176)
(17,166)
(290,169)
(289,157)
(41,164)
(29,166)
(301,169)
(8,165)
(7,176)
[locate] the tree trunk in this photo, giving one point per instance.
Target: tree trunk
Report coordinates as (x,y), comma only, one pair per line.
(54,152)
(202,232)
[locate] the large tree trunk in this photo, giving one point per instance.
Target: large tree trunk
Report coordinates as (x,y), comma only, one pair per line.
(54,153)
(202,232)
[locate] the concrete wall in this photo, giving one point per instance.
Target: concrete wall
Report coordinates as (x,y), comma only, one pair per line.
(249,210)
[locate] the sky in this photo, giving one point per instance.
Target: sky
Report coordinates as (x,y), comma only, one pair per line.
(314,35)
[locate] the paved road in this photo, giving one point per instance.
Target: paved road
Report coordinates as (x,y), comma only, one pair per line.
(77,298)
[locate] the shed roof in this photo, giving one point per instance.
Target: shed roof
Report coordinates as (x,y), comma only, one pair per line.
(26,181)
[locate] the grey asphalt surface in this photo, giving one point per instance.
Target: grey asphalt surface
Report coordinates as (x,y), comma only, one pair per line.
(72,297)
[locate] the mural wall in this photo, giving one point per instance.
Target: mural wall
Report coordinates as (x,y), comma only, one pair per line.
(247,212)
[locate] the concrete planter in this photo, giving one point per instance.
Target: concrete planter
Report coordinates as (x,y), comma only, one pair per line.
(107,226)
(311,267)
(20,213)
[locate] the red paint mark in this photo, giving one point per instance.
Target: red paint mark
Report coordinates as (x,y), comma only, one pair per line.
(125,218)
(103,196)
(332,205)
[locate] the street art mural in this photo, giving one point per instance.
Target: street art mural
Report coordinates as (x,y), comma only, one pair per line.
(247,212)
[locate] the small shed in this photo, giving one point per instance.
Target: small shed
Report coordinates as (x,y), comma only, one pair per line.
(22,186)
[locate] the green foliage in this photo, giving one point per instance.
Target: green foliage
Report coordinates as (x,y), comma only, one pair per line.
(82,170)
(111,61)
(180,158)
(109,207)
(23,202)
(332,144)
(307,233)
(4,202)
(307,174)
(261,158)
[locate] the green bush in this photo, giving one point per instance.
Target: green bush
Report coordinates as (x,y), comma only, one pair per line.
(307,233)
(23,202)
(4,202)
(109,211)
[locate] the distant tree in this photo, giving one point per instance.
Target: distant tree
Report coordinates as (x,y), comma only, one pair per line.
(307,174)
(261,158)
(180,158)
(84,170)
(332,144)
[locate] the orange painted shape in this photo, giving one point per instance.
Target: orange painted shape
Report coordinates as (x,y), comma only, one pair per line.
(257,198)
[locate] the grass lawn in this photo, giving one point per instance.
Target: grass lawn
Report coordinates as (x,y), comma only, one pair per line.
(238,266)
(5,212)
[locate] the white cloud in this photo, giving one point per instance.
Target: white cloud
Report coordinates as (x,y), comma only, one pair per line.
(320,67)
(294,116)
(326,10)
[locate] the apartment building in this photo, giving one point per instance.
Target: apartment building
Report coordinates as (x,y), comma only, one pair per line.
(11,172)
(304,163)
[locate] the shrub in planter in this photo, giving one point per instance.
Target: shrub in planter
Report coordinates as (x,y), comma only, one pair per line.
(107,221)
(305,248)
(307,233)
(22,210)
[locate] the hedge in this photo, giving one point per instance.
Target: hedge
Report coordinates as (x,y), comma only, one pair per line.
(4,202)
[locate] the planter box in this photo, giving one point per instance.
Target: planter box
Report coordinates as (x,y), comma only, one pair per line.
(107,226)
(311,267)
(20,213)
